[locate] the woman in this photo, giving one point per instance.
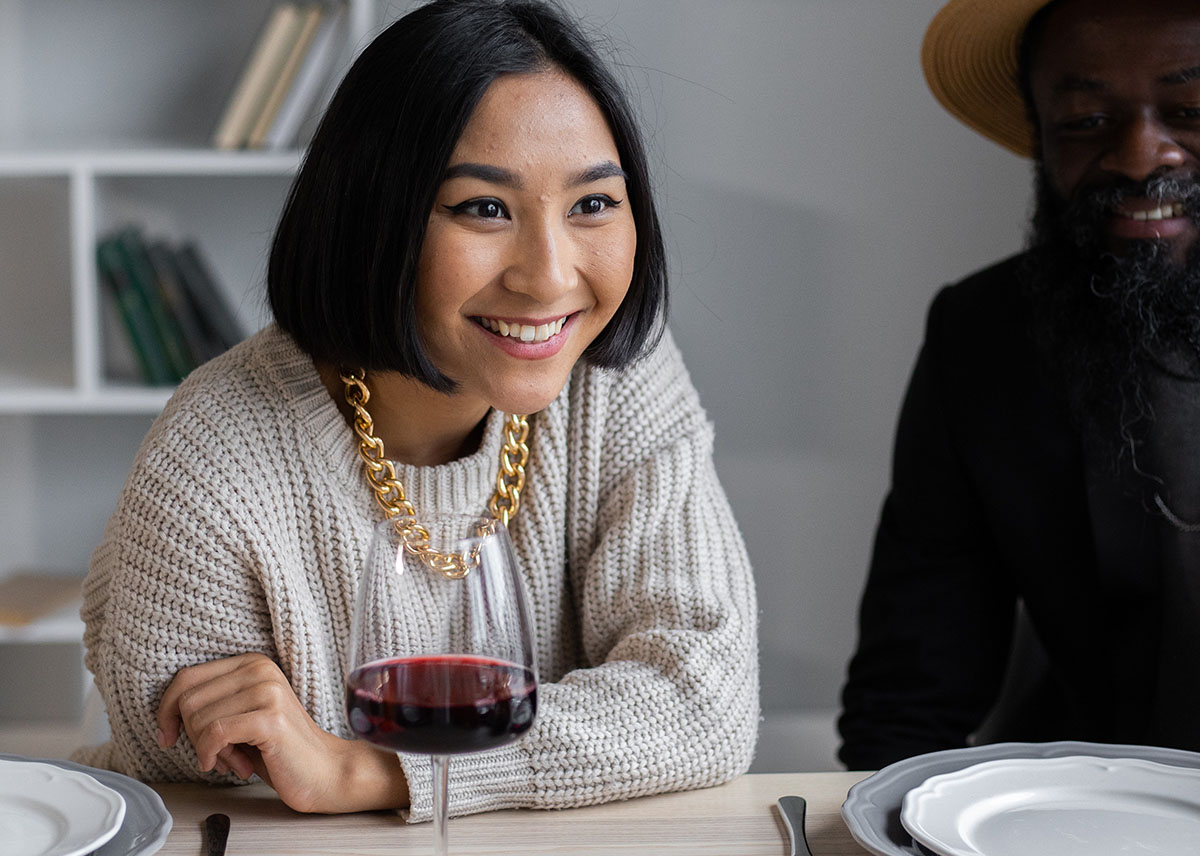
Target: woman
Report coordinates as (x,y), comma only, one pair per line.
(473,233)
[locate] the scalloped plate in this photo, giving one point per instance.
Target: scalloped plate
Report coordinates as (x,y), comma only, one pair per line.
(147,821)
(48,811)
(872,808)
(1072,806)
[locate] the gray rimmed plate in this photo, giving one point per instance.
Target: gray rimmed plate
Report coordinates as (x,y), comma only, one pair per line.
(872,807)
(147,821)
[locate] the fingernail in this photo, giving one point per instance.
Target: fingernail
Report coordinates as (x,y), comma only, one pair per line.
(161,738)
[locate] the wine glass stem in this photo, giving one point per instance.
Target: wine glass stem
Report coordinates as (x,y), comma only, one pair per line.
(441,784)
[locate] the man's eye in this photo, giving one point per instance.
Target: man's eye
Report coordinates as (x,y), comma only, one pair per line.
(595,204)
(1082,123)
(485,209)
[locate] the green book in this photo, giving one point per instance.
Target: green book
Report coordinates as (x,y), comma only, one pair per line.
(200,344)
(135,314)
(166,326)
(213,310)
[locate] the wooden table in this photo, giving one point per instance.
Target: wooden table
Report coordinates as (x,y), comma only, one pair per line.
(737,819)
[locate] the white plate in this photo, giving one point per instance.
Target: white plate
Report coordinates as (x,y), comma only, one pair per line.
(48,811)
(147,821)
(872,808)
(1072,806)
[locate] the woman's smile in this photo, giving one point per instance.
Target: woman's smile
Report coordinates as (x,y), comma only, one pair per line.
(527,338)
(530,245)
(524,331)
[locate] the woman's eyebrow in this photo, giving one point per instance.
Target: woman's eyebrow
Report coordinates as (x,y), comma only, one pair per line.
(606,169)
(507,178)
(483,172)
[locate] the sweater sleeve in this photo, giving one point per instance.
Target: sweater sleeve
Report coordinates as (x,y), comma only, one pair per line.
(665,603)
(171,585)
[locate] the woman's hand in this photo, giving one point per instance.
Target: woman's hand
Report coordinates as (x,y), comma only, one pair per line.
(242,716)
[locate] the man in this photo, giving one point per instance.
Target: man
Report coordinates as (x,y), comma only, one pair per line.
(1045,493)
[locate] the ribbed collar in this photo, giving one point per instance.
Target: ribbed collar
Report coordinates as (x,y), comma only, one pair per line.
(464,485)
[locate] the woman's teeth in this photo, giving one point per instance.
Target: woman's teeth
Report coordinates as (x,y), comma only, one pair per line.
(524,332)
(1163,212)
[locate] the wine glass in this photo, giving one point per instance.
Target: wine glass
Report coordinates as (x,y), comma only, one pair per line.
(441,646)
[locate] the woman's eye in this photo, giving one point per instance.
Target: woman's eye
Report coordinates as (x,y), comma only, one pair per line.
(485,209)
(595,204)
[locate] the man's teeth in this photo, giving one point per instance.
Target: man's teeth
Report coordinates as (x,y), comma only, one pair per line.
(524,332)
(1163,212)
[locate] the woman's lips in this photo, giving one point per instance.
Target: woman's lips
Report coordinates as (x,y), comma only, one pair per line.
(536,332)
(528,339)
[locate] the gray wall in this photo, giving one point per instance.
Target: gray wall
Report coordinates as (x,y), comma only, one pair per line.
(815,196)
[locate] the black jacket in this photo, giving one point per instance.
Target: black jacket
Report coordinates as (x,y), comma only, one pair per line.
(990,513)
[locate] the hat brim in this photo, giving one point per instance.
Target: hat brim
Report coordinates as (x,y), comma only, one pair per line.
(970,57)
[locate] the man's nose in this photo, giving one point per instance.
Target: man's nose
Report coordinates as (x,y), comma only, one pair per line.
(1142,147)
(542,263)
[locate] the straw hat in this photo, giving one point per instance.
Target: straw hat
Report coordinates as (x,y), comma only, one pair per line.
(970,62)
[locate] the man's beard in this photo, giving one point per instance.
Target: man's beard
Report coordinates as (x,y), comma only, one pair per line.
(1102,319)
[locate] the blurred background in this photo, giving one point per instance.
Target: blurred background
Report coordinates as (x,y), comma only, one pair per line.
(814,197)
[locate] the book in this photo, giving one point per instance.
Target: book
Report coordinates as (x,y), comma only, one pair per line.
(201,345)
(261,70)
(166,324)
(156,370)
(120,361)
(304,99)
(26,596)
(311,16)
(214,312)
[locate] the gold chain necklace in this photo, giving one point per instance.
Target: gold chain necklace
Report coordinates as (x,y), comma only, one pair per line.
(389,492)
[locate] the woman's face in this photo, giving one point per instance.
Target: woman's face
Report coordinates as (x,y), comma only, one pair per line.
(530,244)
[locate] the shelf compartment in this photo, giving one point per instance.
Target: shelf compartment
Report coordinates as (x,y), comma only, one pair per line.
(121,70)
(231,219)
(36,346)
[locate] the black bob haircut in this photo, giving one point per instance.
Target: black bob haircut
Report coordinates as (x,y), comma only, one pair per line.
(341,278)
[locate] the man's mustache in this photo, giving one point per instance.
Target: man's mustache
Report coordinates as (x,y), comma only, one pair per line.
(1098,201)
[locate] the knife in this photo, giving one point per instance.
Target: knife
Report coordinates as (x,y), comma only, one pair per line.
(216,833)
(793,810)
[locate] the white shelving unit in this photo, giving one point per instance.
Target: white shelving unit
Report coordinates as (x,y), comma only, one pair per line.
(105,118)
(107,108)
(52,361)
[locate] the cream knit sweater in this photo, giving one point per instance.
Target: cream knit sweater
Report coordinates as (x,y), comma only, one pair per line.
(246,517)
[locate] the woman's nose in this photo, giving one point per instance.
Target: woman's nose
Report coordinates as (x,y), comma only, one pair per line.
(1142,147)
(542,264)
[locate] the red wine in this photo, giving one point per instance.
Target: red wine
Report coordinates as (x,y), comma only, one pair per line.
(441,705)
